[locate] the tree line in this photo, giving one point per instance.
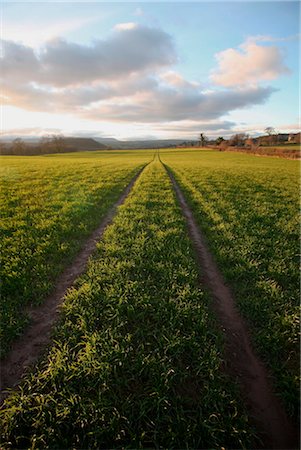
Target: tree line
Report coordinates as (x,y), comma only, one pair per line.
(47,144)
(60,144)
(271,138)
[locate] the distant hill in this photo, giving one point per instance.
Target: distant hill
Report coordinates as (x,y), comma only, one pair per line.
(48,145)
(110,142)
(151,143)
(80,144)
(61,144)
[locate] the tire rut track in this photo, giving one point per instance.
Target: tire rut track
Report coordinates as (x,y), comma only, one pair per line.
(27,349)
(241,361)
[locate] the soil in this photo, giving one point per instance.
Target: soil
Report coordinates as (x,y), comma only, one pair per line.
(241,361)
(28,348)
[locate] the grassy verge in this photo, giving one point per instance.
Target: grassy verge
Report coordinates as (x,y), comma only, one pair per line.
(49,205)
(249,211)
(137,359)
(290,151)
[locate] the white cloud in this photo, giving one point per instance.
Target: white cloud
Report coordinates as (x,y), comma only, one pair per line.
(250,64)
(61,63)
(128,78)
(125,26)
(135,99)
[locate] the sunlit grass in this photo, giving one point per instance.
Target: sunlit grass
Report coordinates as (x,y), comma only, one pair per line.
(48,206)
(248,208)
(137,357)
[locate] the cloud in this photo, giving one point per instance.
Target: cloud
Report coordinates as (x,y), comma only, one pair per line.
(126,78)
(187,130)
(250,64)
(169,104)
(166,97)
(60,63)
(175,79)
(266,38)
(189,127)
(36,97)
(125,26)
(19,62)
(32,131)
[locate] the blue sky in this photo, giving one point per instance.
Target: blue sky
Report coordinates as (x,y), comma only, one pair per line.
(150,69)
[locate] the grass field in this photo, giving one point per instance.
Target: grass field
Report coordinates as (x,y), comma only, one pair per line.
(48,206)
(137,357)
(248,208)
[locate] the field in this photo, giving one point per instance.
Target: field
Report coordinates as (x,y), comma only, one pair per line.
(48,206)
(137,358)
(248,208)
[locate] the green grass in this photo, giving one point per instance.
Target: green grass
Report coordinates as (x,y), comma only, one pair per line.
(248,208)
(48,206)
(136,359)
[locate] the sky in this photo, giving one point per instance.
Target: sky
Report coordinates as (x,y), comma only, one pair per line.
(142,70)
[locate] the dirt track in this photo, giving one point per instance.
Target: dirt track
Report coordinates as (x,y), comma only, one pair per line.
(241,361)
(27,348)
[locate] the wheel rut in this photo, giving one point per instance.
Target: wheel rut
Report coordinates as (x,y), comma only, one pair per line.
(27,349)
(241,361)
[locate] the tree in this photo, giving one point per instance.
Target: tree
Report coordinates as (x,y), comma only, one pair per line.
(203,139)
(238,140)
(219,140)
(3,148)
(18,147)
(270,131)
(52,144)
(271,139)
(45,144)
(58,143)
(249,142)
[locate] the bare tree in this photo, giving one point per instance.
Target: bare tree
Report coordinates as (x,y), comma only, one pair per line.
(238,140)
(3,148)
(270,131)
(18,147)
(58,143)
(52,144)
(202,139)
(45,144)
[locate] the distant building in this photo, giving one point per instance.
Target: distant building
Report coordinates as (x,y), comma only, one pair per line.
(283,137)
(294,138)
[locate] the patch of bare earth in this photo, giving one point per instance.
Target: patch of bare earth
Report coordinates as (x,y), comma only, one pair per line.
(242,363)
(28,348)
